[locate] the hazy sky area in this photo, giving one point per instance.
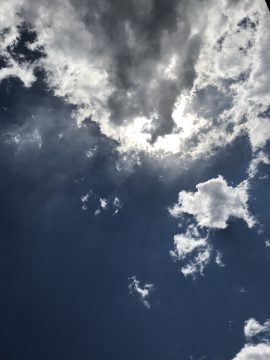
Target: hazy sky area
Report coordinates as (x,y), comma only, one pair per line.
(134,187)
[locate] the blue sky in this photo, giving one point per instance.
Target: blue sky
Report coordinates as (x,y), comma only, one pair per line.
(134,156)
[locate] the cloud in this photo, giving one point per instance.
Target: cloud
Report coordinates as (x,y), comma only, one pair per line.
(218,259)
(188,242)
(193,250)
(253,328)
(113,60)
(103,203)
(147,72)
(214,203)
(111,203)
(260,158)
(238,63)
(254,352)
(197,264)
(211,206)
(84,200)
(261,351)
(143,292)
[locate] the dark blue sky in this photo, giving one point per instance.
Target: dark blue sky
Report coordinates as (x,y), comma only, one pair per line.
(66,272)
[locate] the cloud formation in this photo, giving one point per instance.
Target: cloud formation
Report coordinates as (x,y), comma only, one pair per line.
(193,250)
(254,352)
(253,328)
(142,291)
(214,203)
(111,203)
(260,158)
(212,206)
(146,71)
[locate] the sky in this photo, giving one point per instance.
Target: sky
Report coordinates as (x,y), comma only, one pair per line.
(134,157)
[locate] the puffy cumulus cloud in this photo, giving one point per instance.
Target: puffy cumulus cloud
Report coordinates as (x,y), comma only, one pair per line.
(253,328)
(193,250)
(147,71)
(261,351)
(214,203)
(254,352)
(212,206)
(142,291)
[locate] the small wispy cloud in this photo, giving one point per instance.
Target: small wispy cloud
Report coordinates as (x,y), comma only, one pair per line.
(142,291)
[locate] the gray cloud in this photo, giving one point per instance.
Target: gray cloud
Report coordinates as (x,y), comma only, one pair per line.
(146,69)
(139,36)
(134,42)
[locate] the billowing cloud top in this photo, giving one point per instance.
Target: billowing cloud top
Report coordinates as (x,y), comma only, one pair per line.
(147,71)
(120,121)
(253,328)
(214,203)
(254,352)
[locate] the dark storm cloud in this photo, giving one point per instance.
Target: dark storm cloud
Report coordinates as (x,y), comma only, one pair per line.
(139,36)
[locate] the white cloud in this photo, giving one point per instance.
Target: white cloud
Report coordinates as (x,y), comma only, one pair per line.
(228,60)
(111,203)
(260,351)
(117,204)
(258,131)
(142,291)
(254,352)
(197,264)
(103,206)
(214,203)
(84,200)
(193,250)
(23,71)
(212,206)
(253,328)
(103,203)
(260,158)
(97,212)
(10,20)
(218,259)
(79,66)
(188,242)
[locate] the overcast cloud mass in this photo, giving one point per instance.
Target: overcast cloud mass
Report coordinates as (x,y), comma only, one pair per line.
(134,157)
